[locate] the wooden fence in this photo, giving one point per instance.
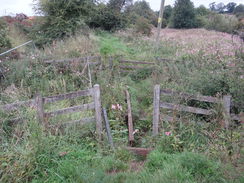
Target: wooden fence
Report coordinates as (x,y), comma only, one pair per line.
(125,66)
(226,101)
(89,65)
(43,116)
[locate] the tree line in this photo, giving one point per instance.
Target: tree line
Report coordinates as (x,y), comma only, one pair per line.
(63,18)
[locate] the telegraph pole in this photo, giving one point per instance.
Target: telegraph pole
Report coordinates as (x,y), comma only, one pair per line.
(160,18)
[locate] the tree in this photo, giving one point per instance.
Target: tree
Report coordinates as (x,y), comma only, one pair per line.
(143,9)
(106,18)
(212,6)
(61,19)
(183,14)
(167,12)
(230,7)
(220,7)
(202,11)
(239,9)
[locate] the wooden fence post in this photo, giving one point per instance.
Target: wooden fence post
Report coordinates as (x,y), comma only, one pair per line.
(98,110)
(107,125)
(156,101)
(130,122)
(40,110)
(227,103)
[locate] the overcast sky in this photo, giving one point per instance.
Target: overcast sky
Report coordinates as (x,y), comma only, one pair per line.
(8,7)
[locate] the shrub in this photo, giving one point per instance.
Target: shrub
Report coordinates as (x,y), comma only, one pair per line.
(61,19)
(143,26)
(4,40)
(222,23)
(106,18)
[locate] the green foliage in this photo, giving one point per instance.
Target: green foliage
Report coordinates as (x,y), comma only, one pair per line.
(142,26)
(223,23)
(168,10)
(61,19)
(141,9)
(239,9)
(4,39)
(196,167)
(183,14)
(106,18)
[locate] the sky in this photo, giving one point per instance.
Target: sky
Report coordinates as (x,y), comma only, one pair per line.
(11,7)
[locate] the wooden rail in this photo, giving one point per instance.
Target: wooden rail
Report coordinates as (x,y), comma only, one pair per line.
(71,95)
(81,59)
(185,108)
(43,116)
(157,104)
(126,66)
(190,96)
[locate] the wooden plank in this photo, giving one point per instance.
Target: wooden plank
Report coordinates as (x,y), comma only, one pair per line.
(130,67)
(81,59)
(227,103)
(108,130)
(130,122)
(190,96)
(68,96)
(80,121)
(98,110)
(16,105)
(156,102)
(185,108)
(136,62)
(78,108)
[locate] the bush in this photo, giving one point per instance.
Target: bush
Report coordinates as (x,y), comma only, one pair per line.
(143,26)
(4,40)
(222,23)
(61,19)
(105,18)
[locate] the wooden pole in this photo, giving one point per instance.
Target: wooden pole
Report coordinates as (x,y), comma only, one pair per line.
(156,101)
(227,104)
(98,111)
(40,110)
(89,72)
(108,130)
(130,122)
(160,18)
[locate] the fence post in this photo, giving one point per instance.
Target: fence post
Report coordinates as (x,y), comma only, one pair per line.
(130,122)
(227,103)
(98,110)
(40,110)
(156,100)
(107,125)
